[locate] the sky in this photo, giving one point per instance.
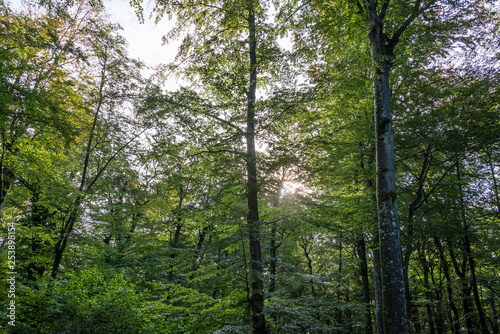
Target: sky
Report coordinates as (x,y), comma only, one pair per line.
(144,39)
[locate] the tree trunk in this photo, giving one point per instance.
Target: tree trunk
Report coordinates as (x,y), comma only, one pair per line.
(174,243)
(438,292)
(363,271)
(309,266)
(39,217)
(68,224)
(494,315)
(414,206)
(273,245)
(253,221)
(495,184)
(6,180)
(449,290)
(272,266)
(339,281)
(393,287)
(377,277)
(428,305)
(470,258)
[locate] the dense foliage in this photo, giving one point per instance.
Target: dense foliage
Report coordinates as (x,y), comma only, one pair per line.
(247,200)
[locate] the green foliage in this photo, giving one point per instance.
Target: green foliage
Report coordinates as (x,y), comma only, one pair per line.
(81,302)
(157,227)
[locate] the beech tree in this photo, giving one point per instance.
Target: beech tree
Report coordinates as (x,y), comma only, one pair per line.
(248,204)
(231,57)
(387,26)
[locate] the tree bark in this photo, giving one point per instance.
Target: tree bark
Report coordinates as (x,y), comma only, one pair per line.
(470,258)
(393,287)
(309,265)
(495,184)
(377,277)
(253,220)
(363,271)
(444,264)
(68,224)
(273,245)
(428,305)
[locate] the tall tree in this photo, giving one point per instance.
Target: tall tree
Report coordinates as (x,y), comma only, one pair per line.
(230,60)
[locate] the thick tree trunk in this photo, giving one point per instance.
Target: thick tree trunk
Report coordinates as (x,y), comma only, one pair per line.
(253,221)
(393,287)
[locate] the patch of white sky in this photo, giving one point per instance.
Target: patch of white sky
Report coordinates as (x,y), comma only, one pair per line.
(144,39)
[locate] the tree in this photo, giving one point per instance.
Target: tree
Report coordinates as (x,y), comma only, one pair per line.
(232,58)
(388,25)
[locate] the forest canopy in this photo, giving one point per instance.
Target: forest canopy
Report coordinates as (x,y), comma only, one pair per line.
(322,167)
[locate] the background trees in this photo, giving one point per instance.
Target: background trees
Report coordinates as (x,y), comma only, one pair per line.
(245,201)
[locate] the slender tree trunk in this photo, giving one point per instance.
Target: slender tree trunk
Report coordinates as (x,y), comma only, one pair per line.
(449,289)
(363,270)
(414,206)
(68,224)
(393,287)
(174,243)
(495,184)
(272,266)
(470,258)
(494,315)
(465,290)
(339,281)
(39,217)
(253,221)
(273,245)
(438,289)
(377,277)
(428,306)
(6,180)
(309,266)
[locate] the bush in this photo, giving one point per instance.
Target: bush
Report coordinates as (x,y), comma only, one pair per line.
(81,303)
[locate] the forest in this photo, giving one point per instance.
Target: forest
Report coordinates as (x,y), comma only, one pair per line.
(322,166)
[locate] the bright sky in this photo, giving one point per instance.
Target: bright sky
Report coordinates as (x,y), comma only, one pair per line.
(144,39)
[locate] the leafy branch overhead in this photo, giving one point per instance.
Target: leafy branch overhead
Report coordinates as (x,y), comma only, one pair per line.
(299,167)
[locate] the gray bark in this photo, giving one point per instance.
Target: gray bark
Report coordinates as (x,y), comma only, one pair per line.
(393,287)
(253,221)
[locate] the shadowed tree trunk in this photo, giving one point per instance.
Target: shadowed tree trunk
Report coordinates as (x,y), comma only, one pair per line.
(428,305)
(253,221)
(363,271)
(377,278)
(391,266)
(273,244)
(470,258)
(444,264)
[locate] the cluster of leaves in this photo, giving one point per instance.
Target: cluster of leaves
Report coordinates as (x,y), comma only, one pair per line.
(151,235)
